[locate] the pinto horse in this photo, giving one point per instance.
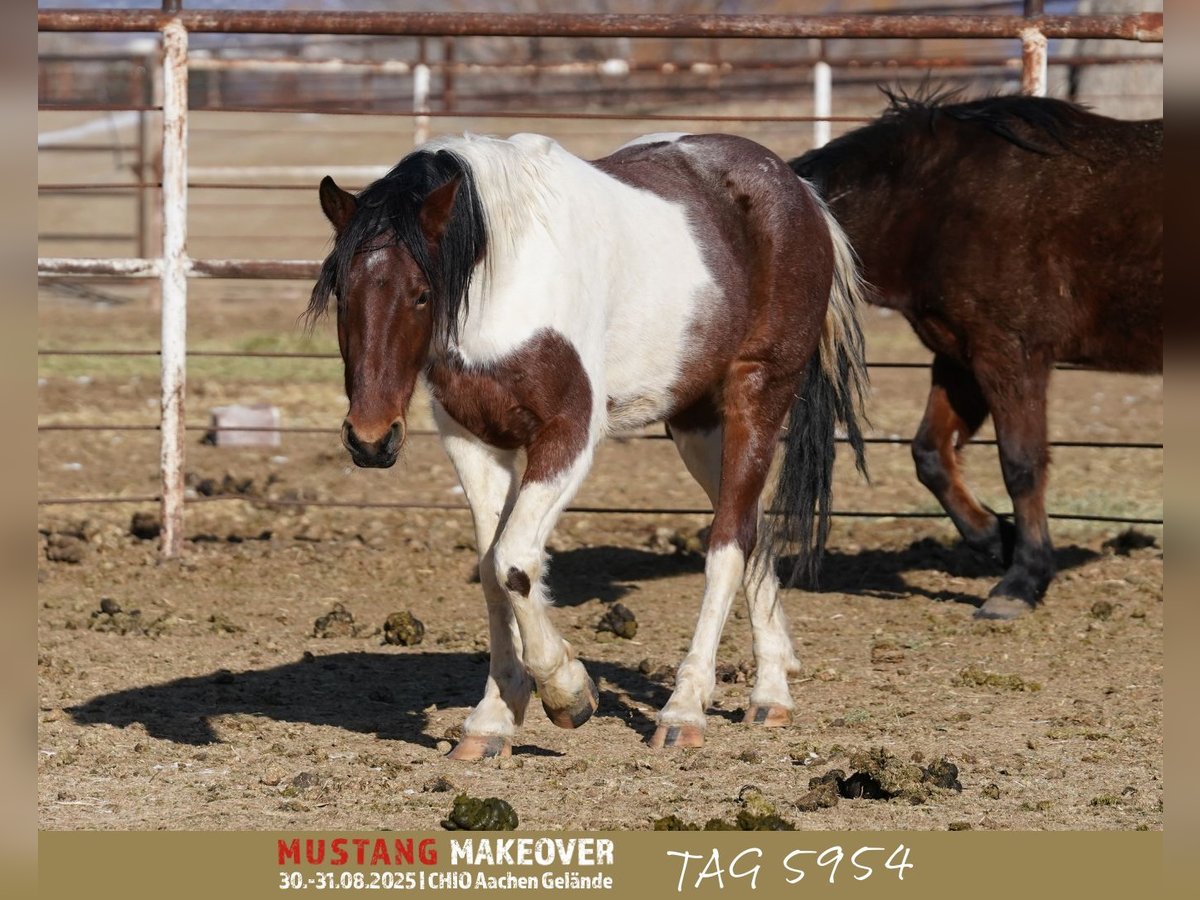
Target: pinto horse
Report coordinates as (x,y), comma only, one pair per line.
(1012,233)
(547,301)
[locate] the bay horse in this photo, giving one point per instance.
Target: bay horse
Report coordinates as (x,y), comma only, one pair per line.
(1011,232)
(547,301)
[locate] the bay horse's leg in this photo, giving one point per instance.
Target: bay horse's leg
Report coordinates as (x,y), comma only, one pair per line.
(1018,405)
(775,658)
(755,404)
(954,412)
(489,480)
(568,695)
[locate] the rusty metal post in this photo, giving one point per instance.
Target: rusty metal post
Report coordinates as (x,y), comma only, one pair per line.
(1034,61)
(174,281)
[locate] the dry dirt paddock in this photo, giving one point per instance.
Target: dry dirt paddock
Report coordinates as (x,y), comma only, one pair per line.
(215,706)
(196,694)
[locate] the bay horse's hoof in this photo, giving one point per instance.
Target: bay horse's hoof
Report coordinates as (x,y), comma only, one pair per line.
(481,746)
(1001,607)
(578,711)
(768,716)
(677,736)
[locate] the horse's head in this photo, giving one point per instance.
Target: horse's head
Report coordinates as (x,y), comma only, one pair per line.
(395,298)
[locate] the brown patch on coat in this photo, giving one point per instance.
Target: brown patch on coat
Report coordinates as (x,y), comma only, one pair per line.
(537,398)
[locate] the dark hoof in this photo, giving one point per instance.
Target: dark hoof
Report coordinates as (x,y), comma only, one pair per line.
(768,716)
(1001,607)
(578,710)
(481,746)
(677,736)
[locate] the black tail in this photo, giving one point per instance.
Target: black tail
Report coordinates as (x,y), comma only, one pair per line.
(834,391)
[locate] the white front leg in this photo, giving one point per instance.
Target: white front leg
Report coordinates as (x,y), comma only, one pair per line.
(567,693)
(489,480)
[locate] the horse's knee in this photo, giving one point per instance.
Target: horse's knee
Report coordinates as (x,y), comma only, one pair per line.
(928,461)
(1022,473)
(515,573)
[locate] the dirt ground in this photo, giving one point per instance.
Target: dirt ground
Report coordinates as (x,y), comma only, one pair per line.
(194,694)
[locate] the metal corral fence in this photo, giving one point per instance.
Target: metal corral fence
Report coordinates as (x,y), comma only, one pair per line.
(174,267)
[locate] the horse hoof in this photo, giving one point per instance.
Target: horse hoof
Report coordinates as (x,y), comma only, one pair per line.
(677,736)
(481,746)
(578,711)
(1001,607)
(768,716)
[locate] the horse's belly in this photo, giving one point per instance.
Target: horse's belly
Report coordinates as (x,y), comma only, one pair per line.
(638,410)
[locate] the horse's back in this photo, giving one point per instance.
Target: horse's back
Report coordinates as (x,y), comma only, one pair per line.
(1011,222)
(751,220)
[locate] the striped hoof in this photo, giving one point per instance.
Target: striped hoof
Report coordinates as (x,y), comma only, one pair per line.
(767,716)
(481,746)
(578,710)
(677,736)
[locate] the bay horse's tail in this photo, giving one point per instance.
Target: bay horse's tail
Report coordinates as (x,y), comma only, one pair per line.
(834,391)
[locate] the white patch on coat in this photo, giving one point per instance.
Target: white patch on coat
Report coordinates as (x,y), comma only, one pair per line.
(615,270)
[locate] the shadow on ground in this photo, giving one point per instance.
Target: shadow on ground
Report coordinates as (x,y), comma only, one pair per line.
(610,573)
(371,693)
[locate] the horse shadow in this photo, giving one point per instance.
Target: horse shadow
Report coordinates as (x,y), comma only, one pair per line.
(378,693)
(608,574)
(385,693)
(880,573)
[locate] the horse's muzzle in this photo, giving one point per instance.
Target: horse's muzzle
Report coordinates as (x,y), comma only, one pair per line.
(380,454)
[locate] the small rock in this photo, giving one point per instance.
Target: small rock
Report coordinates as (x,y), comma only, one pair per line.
(1102,610)
(991,791)
(959,826)
(109,605)
(444,747)
(439,784)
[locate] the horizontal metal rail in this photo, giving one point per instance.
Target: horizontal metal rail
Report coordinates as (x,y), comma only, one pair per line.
(418,432)
(1147,27)
(590,510)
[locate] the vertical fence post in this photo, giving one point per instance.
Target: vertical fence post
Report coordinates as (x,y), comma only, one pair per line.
(174,281)
(1034,63)
(822,98)
(420,103)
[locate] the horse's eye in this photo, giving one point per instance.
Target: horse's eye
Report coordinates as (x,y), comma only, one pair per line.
(423,299)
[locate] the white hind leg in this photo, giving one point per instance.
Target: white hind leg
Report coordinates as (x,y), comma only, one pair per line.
(770,700)
(732,473)
(489,480)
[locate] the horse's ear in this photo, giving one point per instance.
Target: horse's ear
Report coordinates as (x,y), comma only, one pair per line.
(436,209)
(338,205)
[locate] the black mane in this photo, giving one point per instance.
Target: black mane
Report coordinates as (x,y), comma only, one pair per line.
(1009,117)
(388,213)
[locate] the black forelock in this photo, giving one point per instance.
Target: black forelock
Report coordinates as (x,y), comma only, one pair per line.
(388,212)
